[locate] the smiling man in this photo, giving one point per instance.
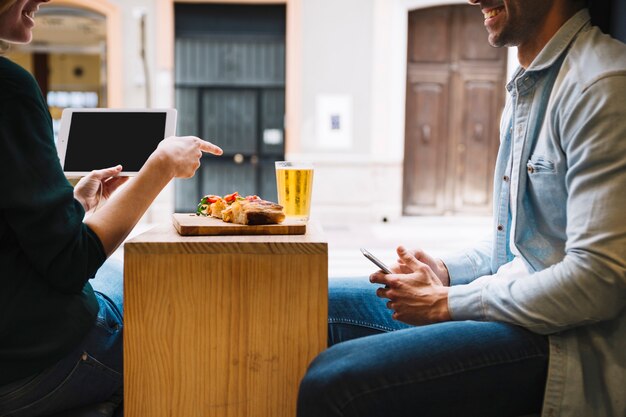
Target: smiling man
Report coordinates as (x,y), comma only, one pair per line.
(533,320)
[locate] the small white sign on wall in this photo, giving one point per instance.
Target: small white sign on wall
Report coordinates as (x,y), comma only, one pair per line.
(334,121)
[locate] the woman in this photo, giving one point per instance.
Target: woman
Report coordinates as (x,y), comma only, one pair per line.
(60,341)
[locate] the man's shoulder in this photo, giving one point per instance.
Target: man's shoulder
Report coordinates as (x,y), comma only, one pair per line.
(595,56)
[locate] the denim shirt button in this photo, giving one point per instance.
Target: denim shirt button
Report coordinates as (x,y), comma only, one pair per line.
(531,170)
(505,178)
(500,228)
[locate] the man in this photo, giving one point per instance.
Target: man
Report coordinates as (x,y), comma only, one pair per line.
(534,319)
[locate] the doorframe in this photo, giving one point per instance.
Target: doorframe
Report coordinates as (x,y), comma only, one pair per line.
(114,48)
(293,58)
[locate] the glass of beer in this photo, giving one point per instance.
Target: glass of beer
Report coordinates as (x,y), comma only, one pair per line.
(294,183)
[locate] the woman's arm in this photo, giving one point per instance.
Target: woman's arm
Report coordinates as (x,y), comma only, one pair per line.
(175,157)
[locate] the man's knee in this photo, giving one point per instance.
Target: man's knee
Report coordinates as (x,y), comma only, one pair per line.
(325,380)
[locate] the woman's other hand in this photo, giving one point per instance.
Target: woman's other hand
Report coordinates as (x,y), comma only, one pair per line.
(98,185)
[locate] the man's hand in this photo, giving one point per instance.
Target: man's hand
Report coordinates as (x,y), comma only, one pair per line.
(416,294)
(437,266)
(97,185)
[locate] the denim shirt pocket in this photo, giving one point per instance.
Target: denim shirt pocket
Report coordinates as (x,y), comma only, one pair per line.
(538,164)
(545,193)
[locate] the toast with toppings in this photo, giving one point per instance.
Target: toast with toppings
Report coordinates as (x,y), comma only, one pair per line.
(254,211)
(233,208)
(214,205)
(205,207)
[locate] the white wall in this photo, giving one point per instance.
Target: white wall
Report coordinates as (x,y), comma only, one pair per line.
(337,59)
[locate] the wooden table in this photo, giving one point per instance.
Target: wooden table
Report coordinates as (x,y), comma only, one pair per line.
(221,326)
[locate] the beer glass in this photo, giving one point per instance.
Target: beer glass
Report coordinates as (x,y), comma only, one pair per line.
(294,183)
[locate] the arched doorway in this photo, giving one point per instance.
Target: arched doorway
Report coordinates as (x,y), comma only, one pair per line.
(75,54)
(68,58)
(454,97)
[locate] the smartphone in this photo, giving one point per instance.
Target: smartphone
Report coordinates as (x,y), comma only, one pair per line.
(376,261)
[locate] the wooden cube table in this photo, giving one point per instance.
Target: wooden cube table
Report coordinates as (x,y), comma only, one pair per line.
(221,325)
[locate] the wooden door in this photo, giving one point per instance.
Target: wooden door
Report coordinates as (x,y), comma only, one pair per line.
(455,93)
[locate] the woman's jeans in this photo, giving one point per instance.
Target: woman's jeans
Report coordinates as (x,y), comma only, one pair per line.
(88,381)
(452,369)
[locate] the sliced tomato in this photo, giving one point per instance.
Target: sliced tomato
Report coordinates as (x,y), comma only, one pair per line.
(209,199)
(253,197)
(213,198)
(231,197)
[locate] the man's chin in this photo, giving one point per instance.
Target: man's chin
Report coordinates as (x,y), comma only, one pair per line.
(495,40)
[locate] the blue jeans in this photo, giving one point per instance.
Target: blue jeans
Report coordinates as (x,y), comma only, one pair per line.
(88,381)
(449,369)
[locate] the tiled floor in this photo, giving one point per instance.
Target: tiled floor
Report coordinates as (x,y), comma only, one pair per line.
(436,235)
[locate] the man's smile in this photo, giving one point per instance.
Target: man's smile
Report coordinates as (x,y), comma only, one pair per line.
(492,12)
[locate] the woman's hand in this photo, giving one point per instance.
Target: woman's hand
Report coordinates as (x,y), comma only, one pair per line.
(98,185)
(415,293)
(180,155)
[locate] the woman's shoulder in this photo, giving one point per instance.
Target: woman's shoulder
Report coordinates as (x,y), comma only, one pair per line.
(15,80)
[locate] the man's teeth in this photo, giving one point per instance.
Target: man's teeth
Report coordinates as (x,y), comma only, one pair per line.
(492,13)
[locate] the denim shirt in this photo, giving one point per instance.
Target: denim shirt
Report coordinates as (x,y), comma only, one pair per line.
(567,223)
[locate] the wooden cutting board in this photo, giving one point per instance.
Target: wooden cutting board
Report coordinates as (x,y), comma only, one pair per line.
(188,224)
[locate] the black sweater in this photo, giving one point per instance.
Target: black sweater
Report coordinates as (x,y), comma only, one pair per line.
(47,254)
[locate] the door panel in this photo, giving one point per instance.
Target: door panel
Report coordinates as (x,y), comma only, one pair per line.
(187,115)
(425,134)
(229,118)
(273,122)
(474,171)
(425,143)
(429,36)
(220,174)
(268,180)
(455,90)
(219,59)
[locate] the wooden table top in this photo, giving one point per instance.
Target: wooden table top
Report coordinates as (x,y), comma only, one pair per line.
(165,239)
